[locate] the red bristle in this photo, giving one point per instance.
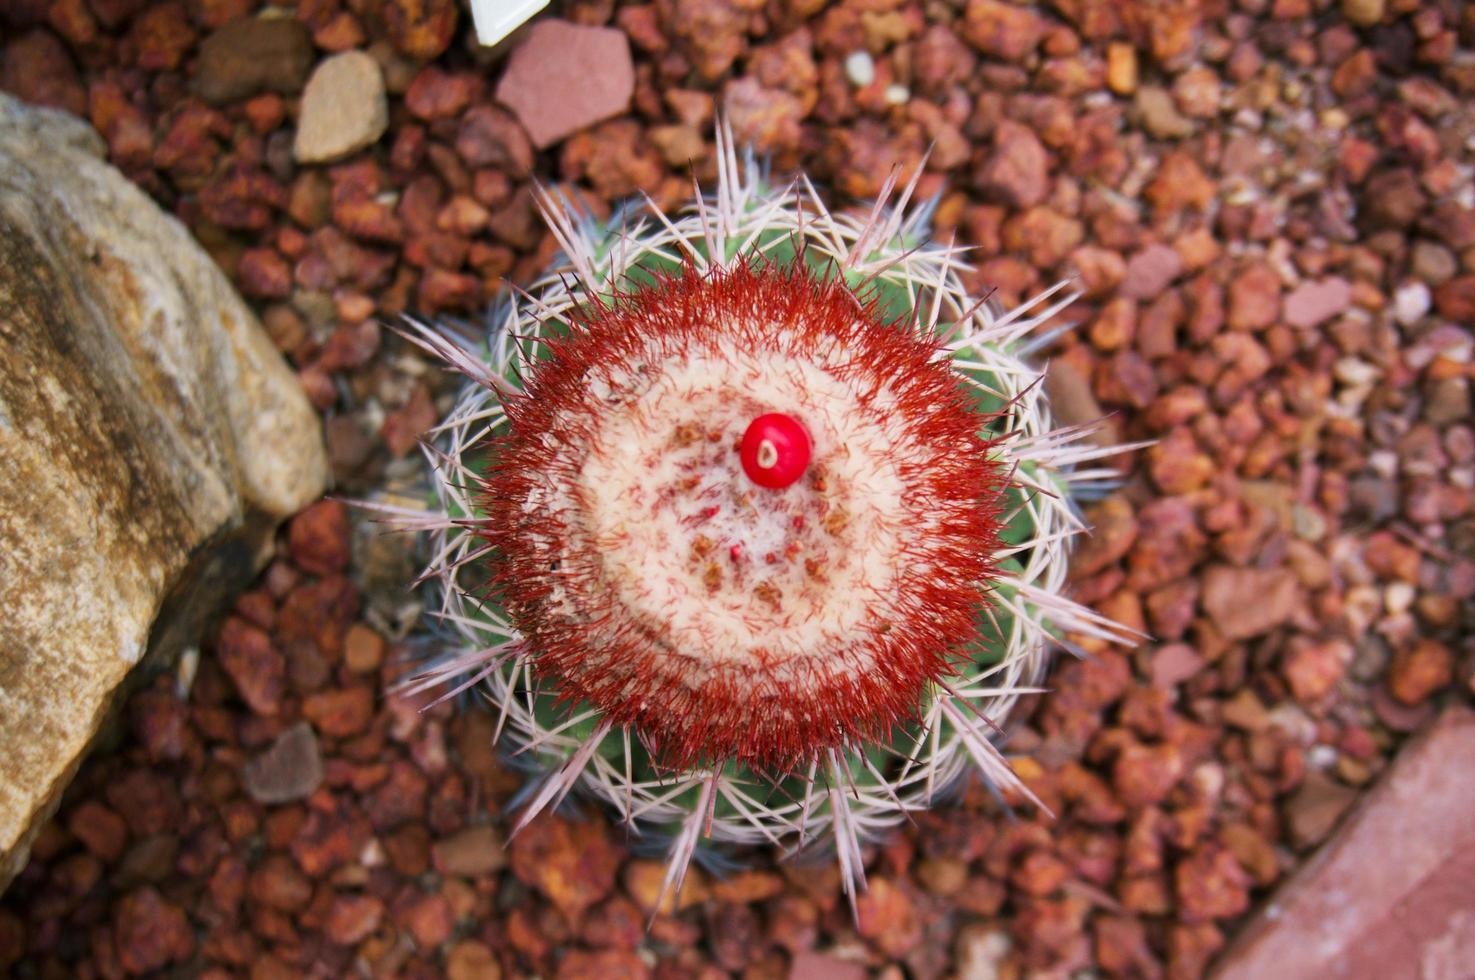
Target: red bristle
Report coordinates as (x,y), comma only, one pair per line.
(771,711)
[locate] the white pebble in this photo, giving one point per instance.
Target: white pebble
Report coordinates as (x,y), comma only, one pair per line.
(1397,597)
(1410,303)
(897,94)
(860,69)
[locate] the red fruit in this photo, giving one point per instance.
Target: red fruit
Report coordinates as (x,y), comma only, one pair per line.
(651,579)
(776,451)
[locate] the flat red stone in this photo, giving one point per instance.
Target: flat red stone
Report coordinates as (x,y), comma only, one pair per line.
(565,77)
(1392,895)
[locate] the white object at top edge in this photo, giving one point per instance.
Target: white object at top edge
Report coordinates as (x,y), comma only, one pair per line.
(495,19)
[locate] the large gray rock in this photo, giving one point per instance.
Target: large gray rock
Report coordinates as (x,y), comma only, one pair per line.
(152,438)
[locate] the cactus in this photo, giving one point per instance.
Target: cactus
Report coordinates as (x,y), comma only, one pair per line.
(751,522)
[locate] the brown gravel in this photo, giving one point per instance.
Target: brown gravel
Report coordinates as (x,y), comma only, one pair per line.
(1267,204)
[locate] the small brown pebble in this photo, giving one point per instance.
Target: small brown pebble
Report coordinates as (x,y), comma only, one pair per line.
(430,921)
(1419,671)
(1314,809)
(886,916)
(151,932)
(1210,884)
(318,537)
(472,960)
(278,884)
(352,919)
(1144,775)
(420,29)
(1314,669)
(363,649)
(342,712)
(477,850)
(99,829)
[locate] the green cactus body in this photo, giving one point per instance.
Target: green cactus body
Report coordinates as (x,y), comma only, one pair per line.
(845,792)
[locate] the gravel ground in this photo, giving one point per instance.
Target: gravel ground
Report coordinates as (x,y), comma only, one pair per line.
(1270,207)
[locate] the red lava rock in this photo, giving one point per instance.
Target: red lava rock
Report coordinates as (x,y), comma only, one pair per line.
(1246,602)
(769,118)
(37,68)
(736,935)
(248,657)
(227,885)
(472,960)
(887,917)
(1040,873)
(823,966)
(341,712)
(264,274)
(403,427)
(146,800)
(573,870)
(578,964)
(399,799)
(548,79)
(1419,671)
(1180,184)
(1191,947)
(440,289)
(1210,884)
(1176,465)
(1121,947)
(352,919)
(1252,850)
(436,94)
(1313,303)
(318,537)
(1016,172)
(1456,299)
(1313,670)
(1174,663)
(315,616)
(1003,30)
(279,885)
(73,21)
(150,932)
(1151,271)
(709,33)
(616,157)
(1144,775)
(420,29)
(430,920)
(99,829)
(744,887)
(129,133)
(330,837)
(246,199)
(1393,199)
(1113,531)
(12,940)
(252,55)
(163,36)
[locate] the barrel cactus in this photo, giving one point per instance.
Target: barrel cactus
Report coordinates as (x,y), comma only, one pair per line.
(750,521)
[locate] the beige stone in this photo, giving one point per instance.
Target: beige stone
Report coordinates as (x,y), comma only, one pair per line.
(344,109)
(151,436)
